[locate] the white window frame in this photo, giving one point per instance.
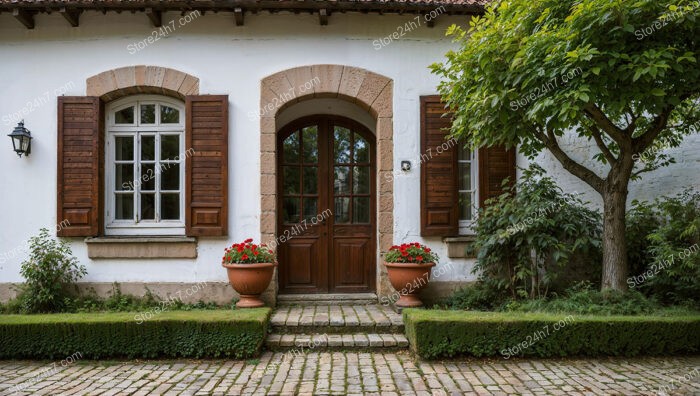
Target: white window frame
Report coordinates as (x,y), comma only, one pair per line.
(466,227)
(137,227)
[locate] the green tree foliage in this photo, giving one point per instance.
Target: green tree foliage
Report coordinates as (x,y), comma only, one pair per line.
(620,75)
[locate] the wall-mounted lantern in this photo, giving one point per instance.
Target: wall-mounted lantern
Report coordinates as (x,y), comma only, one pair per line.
(405,166)
(21,139)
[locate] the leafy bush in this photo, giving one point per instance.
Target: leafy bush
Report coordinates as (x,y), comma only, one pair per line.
(528,237)
(196,334)
(436,334)
(585,300)
(641,221)
(50,274)
(580,299)
(476,297)
(669,268)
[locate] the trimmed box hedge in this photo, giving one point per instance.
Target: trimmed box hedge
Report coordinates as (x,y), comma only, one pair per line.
(172,334)
(440,334)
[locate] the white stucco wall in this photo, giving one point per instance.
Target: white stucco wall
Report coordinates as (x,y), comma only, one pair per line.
(228,60)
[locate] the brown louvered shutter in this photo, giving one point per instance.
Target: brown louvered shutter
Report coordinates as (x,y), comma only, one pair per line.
(206,204)
(80,165)
(439,210)
(495,164)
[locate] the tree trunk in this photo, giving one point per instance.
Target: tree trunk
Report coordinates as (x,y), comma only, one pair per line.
(614,243)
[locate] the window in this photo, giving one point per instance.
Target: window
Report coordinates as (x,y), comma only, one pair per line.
(467,188)
(144,169)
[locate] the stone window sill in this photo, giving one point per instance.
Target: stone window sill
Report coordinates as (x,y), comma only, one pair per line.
(457,246)
(141,248)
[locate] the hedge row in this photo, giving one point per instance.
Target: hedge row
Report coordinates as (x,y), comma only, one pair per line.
(190,334)
(439,334)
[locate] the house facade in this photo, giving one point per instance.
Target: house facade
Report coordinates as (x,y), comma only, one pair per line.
(165,131)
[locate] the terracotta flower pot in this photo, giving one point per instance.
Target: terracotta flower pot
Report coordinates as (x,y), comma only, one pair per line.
(250,281)
(408,280)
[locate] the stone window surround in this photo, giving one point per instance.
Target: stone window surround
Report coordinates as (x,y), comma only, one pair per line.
(372,92)
(132,80)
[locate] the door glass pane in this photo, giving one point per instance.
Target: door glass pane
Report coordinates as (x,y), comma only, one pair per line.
(170,176)
(170,206)
(310,207)
(148,206)
(148,114)
(124,148)
(292,180)
(360,210)
(168,115)
(360,180)
(124,206)
(123,177)
(361,152)
(310,180)
(342,210)
(169,147)
(341,145)
(148,147)
(341,181)
(290,149)
(465,175)
(465,206)
(291,210)
(310,139)
(124,116)
(148,177)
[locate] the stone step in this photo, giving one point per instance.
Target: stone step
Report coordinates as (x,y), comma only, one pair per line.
(346,319)
(301,343)
(327,299)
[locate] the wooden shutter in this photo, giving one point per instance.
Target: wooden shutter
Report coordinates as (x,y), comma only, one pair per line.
(206,203)
(439,209)
(80,166)
(495,164)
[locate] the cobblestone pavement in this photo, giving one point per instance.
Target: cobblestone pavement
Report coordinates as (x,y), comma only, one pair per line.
(358,373)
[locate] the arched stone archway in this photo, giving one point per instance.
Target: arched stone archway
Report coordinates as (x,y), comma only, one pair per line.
(371,91)
(130,80)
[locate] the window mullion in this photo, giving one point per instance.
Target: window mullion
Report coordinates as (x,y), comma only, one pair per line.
(137,171)
(156,156)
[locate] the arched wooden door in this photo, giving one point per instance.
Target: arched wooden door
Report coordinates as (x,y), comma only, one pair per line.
(326,205)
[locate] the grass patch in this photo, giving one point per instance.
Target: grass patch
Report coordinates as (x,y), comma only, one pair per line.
(178,334)
(440,334)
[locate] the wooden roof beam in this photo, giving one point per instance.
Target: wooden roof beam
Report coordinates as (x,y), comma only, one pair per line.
(155,17)
(323,16)
(238,15)
(24,17)
(72,16)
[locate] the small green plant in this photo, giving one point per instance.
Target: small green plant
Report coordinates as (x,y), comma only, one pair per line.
(50,274)
(528,236)
(476,297)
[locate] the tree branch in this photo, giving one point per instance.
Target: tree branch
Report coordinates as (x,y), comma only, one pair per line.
(599,118)
(576,169)
(601,144)
(640,143)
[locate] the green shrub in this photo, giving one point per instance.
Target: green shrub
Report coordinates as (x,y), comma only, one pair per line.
(88,301)
(477,297)
(584,300)
(195,334)
(436,334)
(530,235)
(50,274)
(670,267)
